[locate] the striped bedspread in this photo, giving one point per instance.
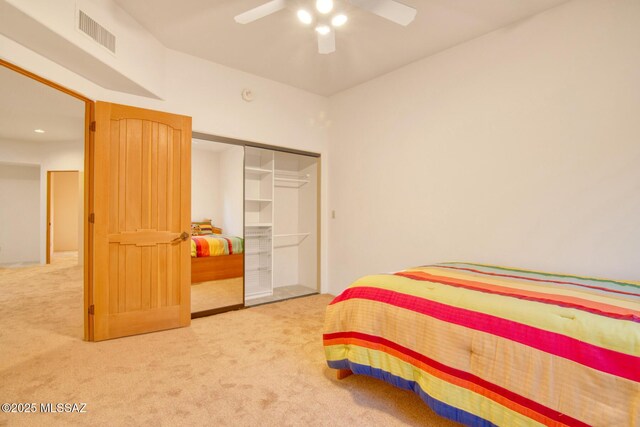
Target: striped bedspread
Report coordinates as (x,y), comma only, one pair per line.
(486,345)
(215,245)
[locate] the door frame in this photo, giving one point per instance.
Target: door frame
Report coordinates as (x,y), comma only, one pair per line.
(88,193)
(48,238)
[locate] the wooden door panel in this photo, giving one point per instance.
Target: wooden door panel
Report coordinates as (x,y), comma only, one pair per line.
(142,205)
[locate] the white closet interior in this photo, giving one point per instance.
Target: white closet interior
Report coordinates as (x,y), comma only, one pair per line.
(295,241)
(258,211)
(281,225)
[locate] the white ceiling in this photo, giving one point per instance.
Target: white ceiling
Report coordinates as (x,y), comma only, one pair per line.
(26,105)
(280,48)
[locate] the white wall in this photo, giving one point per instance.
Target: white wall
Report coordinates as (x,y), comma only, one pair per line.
(20,152)
(19,213)
(210,93)
(205,185)
(518,148)
(49,156)
(217,187)
(464,130)
(50,28)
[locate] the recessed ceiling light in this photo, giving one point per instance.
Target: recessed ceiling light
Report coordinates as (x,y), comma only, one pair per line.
(324,6)
(38,130)
(339,20)
(305,17)
(323,29)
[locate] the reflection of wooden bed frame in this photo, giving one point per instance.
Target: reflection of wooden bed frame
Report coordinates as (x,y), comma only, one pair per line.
(217,267)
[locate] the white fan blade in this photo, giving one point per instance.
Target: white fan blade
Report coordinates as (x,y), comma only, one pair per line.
(327,42)
(260,11)
(388,9)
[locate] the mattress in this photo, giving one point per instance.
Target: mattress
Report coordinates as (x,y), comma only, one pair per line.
(215,245)
(487,345)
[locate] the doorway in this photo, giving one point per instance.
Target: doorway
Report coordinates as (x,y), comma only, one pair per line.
(64,216)
(136,205)
(46,126)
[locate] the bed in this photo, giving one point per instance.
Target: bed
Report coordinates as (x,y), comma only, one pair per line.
(216,257)
(486,345)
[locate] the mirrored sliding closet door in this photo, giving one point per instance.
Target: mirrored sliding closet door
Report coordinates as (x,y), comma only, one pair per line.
(217,243)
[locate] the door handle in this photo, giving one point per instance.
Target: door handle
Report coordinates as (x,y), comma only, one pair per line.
(182,237)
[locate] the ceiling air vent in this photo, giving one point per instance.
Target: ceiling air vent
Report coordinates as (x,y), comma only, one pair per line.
(96,31)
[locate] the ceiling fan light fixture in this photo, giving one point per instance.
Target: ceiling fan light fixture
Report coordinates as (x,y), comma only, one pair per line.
(339,20)
(323,29)
(305,17)
(324,6)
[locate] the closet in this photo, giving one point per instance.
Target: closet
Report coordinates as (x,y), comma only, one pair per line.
(281,225)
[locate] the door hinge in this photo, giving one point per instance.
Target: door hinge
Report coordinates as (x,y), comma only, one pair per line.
(92,309)
(92,218)
(92,126)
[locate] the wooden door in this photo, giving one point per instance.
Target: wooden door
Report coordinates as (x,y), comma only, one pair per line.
(142,207)
(48,239)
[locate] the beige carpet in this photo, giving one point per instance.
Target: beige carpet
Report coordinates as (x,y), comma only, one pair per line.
(216,294)
(259,366)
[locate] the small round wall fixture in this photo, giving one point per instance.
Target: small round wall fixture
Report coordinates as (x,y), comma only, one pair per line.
(247,95)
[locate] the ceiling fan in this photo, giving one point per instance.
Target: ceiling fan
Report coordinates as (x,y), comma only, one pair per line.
(327,22)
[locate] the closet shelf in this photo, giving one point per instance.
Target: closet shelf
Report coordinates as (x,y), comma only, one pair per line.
(258,252)
(258,200)
(257,269)
(292,235)
(300,180)
(282,173)
(259,224)
(256,171)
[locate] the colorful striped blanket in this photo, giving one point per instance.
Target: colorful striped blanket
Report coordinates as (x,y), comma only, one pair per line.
(486,345)
(215,245)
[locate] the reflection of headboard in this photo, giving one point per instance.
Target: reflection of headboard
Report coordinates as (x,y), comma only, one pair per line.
(205,226)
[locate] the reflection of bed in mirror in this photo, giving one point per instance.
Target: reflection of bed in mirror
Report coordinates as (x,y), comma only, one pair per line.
(217,254)
(216,257)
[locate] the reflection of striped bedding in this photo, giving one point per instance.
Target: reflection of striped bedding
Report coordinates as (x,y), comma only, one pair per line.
(215,245)
(487,345)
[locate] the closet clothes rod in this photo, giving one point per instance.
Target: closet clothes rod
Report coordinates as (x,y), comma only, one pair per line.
(284,173)
(277,178)
(295,184)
